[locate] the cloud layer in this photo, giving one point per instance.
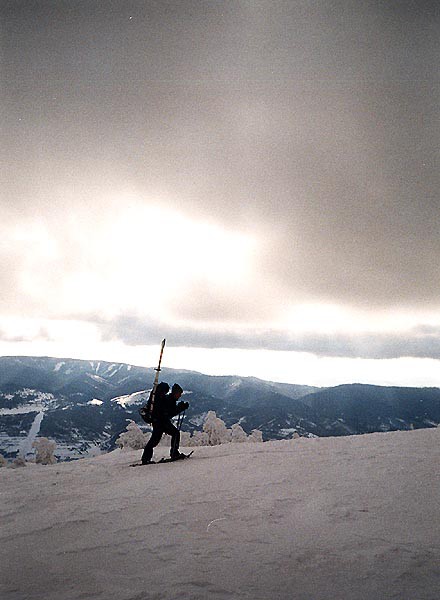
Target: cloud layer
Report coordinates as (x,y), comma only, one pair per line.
(288,150)
(417,342)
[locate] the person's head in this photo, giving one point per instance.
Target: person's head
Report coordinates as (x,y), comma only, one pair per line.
(176,391)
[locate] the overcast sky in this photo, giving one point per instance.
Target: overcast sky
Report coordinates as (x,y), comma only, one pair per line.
(257,181)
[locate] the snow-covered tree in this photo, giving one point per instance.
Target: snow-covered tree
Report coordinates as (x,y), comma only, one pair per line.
(215,432)
(216,429)
(45,451)
(238,433)
(133,438)
(256,436)
(185,438)
(3,461)
(199,438)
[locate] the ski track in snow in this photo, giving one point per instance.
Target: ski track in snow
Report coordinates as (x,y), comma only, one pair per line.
(26,446)
(350,518)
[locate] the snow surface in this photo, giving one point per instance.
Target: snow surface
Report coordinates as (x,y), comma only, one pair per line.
(19,410)
(135,398)
(349,518)
(27,444)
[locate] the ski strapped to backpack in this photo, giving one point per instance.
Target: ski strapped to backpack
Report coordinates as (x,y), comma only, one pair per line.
(146,411)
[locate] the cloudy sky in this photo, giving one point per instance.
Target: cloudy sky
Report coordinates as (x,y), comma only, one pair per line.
(255,180)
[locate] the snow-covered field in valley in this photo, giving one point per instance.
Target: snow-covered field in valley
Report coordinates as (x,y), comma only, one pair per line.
(352,518)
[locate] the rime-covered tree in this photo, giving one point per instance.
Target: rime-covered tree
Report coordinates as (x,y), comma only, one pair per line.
(199,438)
(133,438)
(45,449)
(185,438)
(215,432)
(238,434)
(216,429)
(256,436)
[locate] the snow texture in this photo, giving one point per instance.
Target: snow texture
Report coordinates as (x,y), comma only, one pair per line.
(140,397)
(348,518)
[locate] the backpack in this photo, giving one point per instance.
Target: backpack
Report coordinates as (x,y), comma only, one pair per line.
(156,395)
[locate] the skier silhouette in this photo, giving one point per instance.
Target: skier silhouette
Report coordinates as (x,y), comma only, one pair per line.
(165,407)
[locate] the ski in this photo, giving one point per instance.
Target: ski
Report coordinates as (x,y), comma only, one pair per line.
(163,460)
(147,410)
(181,457)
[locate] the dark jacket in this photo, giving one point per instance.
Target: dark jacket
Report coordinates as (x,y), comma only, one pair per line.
(166,407)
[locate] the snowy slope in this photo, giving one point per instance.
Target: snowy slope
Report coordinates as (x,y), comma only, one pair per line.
(347,518)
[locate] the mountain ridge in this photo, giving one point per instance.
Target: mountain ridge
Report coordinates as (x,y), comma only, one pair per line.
(78,396)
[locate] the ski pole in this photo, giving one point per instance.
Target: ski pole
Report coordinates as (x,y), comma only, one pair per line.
(180,420)
(179,426)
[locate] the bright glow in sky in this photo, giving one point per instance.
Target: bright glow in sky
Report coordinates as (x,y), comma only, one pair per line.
(135,258)
(147,262)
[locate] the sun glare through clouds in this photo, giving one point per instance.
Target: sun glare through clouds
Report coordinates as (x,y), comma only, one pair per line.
(137,259)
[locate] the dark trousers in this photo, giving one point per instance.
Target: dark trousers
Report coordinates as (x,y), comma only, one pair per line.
(159,428)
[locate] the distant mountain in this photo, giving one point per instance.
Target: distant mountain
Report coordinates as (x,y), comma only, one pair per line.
(358,408)
(84,405)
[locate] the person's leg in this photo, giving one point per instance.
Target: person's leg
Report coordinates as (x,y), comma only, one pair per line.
(155,438)
(171,430)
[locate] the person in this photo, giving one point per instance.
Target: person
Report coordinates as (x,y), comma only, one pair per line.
(165,407)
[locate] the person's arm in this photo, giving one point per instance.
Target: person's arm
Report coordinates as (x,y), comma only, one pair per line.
(181,406)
